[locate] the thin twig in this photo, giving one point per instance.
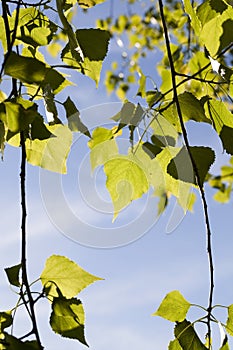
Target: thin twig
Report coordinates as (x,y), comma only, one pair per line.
(199,183)
(190,77)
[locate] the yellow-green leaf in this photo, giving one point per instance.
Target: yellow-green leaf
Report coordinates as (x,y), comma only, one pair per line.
(67,318)
(103,146)
(51,153)
(126,181)
(174,307)
(66,275)
(174,345)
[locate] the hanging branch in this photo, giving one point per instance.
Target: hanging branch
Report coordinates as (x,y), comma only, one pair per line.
(199,183)
(25,282)
(30,309)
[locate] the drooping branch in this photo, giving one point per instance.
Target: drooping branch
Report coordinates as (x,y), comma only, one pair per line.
(198,180)
(25,282)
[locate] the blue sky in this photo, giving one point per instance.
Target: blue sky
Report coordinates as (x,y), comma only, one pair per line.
(136,275)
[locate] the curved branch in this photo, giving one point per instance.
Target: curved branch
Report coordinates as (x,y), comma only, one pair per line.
(199,183)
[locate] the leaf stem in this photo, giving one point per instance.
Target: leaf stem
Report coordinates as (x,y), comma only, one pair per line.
(25,282)
(199,183)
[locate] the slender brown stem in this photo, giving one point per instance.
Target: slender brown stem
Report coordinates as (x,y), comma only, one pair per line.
(198,180)
(25,282)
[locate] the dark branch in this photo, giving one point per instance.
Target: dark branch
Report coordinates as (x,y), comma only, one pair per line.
(199,183)
(25,282)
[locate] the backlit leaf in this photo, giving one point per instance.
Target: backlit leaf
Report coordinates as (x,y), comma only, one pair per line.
(93,46)
(67,318)
(174,307)
(16,118)
(193,16)
(210,9)
(66,275)
(32,71)
(51,153)
(216,33)
(103,146)
(191,109)
(174,345)
(219,114)
(126,181)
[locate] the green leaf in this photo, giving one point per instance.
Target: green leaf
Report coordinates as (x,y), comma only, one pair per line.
(51,153)
(210,9)
(103,146)
(195,23)
(152,97)
(93,43)
(229,325)
(162,127)
(187,337)
(191,109)
(67,318)
(216,33)
(13,274)
(32,71)
(89,3)
(142,85)
(181,168)
(174,307)
(73,116)
(16,118)
(6,320)
(219,114)
(174,345)
(222,121)
(93,47)
(66,275)
(92,69)
(126,181)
